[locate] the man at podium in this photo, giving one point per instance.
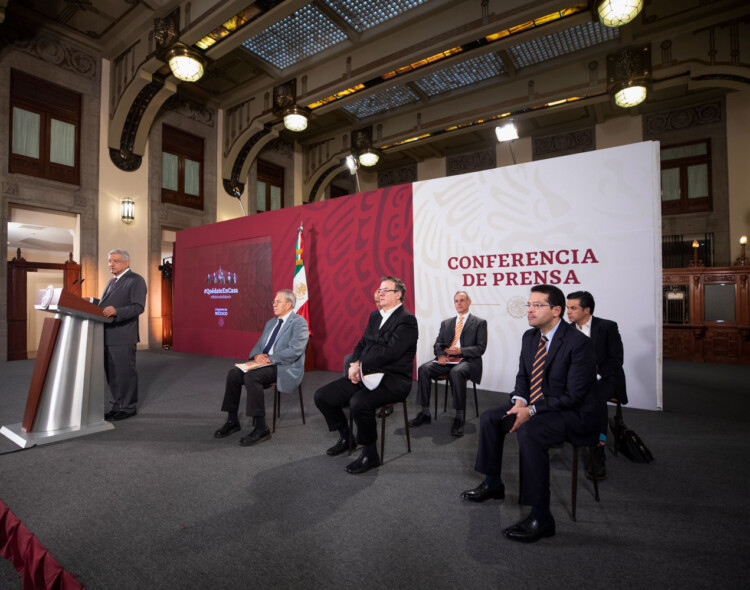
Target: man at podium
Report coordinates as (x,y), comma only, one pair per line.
(123,299)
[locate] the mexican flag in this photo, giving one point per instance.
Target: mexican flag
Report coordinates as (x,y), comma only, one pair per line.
(299,285)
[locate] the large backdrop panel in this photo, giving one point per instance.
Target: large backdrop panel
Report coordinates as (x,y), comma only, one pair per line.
(583,222)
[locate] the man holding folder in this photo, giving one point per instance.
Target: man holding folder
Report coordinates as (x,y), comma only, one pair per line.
(279,356)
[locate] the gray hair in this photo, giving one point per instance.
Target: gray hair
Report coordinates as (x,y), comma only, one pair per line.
(288,294)
(124,253)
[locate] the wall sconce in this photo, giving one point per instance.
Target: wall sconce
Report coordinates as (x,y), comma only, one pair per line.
(362,149)
(284,105)
(615,13)
(695,261)
(741,260)
(186,63)
(628,75)
(507,132)
(127,211)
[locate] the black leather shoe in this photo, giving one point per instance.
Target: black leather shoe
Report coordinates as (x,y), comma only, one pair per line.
(108,415)
(362,464)
(342,446)
(458,427)
(529,530)
(484,492)
(255,437)
(421,418)
(387,409)
(122,415)
(227,429)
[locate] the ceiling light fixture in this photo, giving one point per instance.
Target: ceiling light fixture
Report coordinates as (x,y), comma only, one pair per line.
(369,157)
(295,119)
(186,64)
(507,132)
(630,95)
(615,13)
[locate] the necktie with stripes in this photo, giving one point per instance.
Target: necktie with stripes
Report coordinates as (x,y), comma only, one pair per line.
(537,371)
(457,331)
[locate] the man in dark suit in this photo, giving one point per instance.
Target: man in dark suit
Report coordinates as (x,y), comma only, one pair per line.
(380,373)
(552,402)
(124,299)
(279,356)
(459,347)
(610,376)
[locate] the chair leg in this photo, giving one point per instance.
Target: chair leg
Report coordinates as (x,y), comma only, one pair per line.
(351,432)
(301,404)
(436,397)
(406,427)
(445,398)
(574,491)
(382,437)
(276,406)
(476,403)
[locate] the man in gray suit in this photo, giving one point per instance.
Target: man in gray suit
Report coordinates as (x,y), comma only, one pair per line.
(459,347)
(123,300)
(278,356)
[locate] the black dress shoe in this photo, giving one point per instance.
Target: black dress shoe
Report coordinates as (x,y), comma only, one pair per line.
(421,418)
(342,446)
(255,437)
(388,410)
(458,427)
(108,415)
(484,492)
(529,530)
(362,464)
(122,415)
(227,429)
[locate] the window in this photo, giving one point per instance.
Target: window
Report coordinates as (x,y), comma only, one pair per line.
(686,178)
(182,168)
(45,129)
(270,187)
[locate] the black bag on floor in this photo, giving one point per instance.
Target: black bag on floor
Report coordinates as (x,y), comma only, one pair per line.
(629,443)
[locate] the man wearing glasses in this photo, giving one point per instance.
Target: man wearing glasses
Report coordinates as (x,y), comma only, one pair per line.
(279,356)
(380,373)
(552,402)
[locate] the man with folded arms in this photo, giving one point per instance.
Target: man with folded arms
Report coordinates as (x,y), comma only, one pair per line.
(552,402)
(279,356)
(459,347)
(380,373)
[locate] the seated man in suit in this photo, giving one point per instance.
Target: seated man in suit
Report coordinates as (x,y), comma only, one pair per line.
(124,299)
(459,347)
(280,352)
(610,376)
(380,373)
(552,402)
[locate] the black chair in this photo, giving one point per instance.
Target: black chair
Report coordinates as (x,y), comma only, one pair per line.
(574,482)
(445,399)
(382,416)
(277,404)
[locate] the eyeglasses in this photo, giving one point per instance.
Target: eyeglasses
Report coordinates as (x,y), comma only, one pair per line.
(278,301)
(537,305)
(387,291)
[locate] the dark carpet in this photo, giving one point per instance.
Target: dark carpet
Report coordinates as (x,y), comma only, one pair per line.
(160,503)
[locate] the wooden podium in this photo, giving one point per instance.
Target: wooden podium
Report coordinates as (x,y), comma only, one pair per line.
(66,395)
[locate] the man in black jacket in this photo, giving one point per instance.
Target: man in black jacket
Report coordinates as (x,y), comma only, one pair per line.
(610,384)
(380,373)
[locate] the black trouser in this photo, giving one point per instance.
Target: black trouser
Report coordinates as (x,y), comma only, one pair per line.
(255,382)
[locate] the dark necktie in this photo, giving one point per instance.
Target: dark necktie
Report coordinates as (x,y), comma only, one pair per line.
(271,340)
(537,371)
(109,286)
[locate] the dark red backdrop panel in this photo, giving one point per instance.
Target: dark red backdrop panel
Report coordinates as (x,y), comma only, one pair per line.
(350,242)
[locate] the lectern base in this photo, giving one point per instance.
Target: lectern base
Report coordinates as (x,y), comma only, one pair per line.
(29,439)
